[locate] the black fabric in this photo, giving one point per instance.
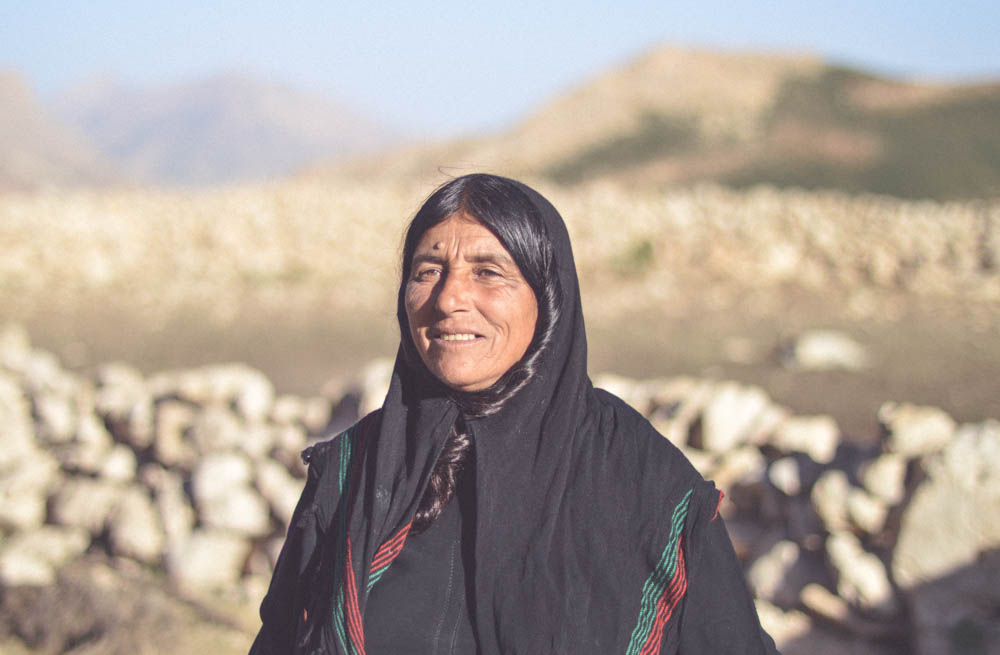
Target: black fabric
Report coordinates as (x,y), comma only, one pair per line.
(421,605)
(576,500)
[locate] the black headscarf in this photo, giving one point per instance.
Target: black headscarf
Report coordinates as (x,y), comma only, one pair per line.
(583,510)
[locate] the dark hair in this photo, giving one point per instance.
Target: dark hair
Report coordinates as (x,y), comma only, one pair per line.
(504,208)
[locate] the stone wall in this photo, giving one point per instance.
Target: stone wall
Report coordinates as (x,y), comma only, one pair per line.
(195,473)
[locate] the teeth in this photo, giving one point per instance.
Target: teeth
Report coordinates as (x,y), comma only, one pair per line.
(457,337)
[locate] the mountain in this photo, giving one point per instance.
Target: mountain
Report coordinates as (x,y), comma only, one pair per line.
(36,149)
(225,128)
(679,116)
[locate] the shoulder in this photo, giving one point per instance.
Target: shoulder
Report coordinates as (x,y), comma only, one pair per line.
(635,435)
(318,456)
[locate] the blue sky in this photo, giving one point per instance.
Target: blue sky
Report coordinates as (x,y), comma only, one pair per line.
(447,67)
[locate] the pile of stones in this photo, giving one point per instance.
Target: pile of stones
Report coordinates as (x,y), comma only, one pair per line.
(888,547)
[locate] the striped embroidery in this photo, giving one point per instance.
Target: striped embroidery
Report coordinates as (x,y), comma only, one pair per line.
(386,554)
(345,605)
(663,589)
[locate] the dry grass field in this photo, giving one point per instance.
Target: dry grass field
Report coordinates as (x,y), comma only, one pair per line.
(298,279)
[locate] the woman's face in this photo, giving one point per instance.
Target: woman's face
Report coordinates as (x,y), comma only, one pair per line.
(472,314)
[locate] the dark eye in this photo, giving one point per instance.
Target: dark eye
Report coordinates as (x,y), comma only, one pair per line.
(488,272)
(426,273)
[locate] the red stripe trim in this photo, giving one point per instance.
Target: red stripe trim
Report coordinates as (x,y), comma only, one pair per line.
(665,606)
(722,494)
(354,627)
(390,549)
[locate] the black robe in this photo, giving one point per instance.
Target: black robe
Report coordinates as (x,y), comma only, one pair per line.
(592,533)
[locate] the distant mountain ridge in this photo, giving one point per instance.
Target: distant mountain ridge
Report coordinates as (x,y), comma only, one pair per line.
(216,130)
(678,116)
(220,129)
(35,148)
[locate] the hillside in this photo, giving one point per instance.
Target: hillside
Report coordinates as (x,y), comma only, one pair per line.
(36,149)
(678,116)
(221,129)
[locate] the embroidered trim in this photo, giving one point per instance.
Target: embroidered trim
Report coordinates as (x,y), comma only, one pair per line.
(386,553)
(718,505)
(663,589)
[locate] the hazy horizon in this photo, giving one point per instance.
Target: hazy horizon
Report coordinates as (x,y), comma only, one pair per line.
(448,68)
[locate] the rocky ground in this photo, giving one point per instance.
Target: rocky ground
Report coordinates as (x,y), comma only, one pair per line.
(830,360)
(144,513)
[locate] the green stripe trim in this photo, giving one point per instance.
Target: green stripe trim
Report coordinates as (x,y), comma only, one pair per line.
(659,578)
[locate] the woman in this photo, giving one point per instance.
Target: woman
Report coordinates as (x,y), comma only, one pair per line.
(498,503)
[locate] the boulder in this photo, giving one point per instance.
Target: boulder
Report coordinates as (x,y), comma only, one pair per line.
(209,559)
(823,350)
(217,473)
(816,436)
(885,477)
(913,431)
(32,557)
(862,579)
(784,475)
(24,491)
(733,416)
(279,488)
(134,528)
(829,499)
(84,503)
(239,509)
(172,444)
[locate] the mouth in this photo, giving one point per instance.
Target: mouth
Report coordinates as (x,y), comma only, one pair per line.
(454,337)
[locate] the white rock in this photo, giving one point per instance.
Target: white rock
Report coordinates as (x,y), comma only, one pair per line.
(280,488)
(829,499)
(828,349)
(216,428)
(732,416)
(120,464)
(768,573)
(913,431)
(134,528)
(316,414)
(124,400)
(784,475)
(954,515)
(257,440)
(741,466)
(56,417)
(24,491)
(288,409)
(91,448)
(17,440)
(171,442)
(866,511)
(240,509)
(209,559)
(31,557)
(85,503)
(861,576)
(885,477)
(816,436)
(783,626)
(173,506)
(217,473)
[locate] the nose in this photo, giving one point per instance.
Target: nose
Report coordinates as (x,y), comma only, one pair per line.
(452,293)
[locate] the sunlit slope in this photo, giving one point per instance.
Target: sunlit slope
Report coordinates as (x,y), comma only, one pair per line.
(676,117)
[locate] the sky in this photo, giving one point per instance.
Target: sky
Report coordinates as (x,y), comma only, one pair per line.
(444,67)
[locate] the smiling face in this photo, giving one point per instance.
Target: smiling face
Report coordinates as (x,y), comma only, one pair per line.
(472,315)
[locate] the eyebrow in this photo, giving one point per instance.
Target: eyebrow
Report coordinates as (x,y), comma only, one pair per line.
(501,259)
